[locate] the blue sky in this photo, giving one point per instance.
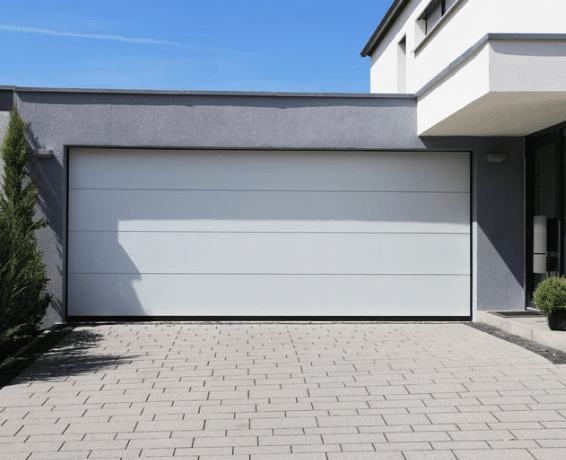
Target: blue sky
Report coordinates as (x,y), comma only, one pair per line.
(228,45)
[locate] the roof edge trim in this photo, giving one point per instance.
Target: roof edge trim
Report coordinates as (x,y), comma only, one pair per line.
(390,16)
(148,92)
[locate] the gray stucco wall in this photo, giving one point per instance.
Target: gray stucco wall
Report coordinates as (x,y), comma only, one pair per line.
(501,224)
(4,119)
(498,210)
(57,119)
(6,96)
(217,120)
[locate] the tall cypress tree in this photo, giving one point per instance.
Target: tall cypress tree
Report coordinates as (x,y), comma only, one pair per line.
(22,272)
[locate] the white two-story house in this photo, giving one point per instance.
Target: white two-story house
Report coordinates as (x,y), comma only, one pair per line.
(488,69)
(477,67)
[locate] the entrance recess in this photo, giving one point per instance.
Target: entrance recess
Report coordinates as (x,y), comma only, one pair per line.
(545,209)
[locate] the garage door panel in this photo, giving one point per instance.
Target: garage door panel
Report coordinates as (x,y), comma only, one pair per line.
(269,295)
(268,170)
(163,210)
(274,253)
(224,233)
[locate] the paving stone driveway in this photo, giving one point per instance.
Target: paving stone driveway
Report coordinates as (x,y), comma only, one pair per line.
(275,391)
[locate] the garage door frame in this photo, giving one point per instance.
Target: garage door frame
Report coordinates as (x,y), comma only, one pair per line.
(270,317)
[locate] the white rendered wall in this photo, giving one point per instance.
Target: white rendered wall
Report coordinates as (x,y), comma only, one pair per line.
(526,66)
(448,98)
(507,87)
(383,70)
(472,20)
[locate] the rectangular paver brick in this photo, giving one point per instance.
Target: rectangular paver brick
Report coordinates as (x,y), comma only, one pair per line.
(300,448)
(332,430)
(95,445)
(228,424)
(402,446)
(270,394)
(429,455)
(177,425)
(365,456)
(529,415)
(104,427)
(548,454)
(453,445)
(58,455)
(10,428)
(358,420)
(225,451)
(293,456)
(16,456)
(290,440)
(417,436)
(481,435)
(353,438)
(285,407)
(243,450)
(215,457)
(514,444)
(160,443)
(49,438)
(406,419)
(436,388)
(503,454)
(540,434)
(30,447)
(364,447)
(506,426)
(291,422)
(462,417)
(339,391)
(225,441)
(153,453)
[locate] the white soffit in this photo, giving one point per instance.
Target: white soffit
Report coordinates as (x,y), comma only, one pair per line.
(506,85)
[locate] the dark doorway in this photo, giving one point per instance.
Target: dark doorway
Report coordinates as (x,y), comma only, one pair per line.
(545,208)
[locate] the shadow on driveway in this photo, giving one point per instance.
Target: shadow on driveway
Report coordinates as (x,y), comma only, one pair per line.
(62,352)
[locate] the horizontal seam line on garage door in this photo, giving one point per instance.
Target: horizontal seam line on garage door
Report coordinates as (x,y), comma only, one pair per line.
(271,274)
(289,232)
(268,190)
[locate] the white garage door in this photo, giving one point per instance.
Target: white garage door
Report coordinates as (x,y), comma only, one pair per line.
(263,233)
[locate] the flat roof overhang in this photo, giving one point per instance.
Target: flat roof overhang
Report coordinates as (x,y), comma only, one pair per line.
(505,85)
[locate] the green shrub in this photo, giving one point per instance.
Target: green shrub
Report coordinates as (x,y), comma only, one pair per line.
(550,295)
(22,273)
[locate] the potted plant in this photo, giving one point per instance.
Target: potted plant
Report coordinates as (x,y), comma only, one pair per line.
(550,299)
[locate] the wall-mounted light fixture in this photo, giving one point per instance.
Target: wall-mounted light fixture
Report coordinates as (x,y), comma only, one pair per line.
(496,157)
(42,153)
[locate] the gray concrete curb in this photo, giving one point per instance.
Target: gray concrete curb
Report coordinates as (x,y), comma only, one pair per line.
(530,328)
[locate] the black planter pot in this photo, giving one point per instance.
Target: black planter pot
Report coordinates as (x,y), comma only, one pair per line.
(557,319)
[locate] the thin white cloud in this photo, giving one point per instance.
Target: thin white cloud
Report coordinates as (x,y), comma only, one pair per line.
(150,41)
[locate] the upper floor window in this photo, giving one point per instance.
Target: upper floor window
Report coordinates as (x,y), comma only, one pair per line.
(402,65)
(431,16)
